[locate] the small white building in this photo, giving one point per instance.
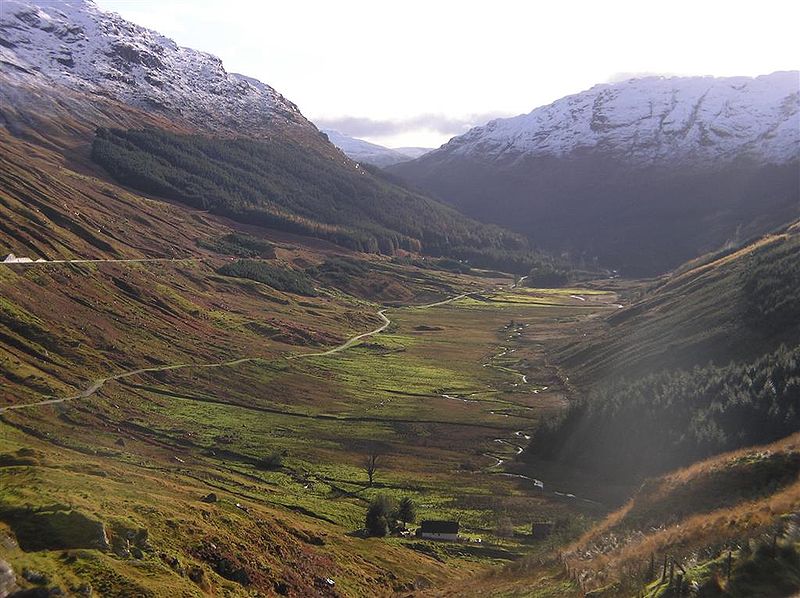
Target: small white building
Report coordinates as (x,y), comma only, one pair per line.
(13,259)
(439,530)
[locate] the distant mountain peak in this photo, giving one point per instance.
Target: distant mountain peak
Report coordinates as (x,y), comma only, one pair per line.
(372,153)
(642,174)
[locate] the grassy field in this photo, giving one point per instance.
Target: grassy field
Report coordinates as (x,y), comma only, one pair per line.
(446,394)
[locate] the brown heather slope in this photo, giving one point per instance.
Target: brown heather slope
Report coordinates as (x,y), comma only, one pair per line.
(745,503)
(64,325)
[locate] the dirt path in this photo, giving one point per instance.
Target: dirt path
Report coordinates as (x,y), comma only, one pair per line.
(349,342)
(386,322)
(519,282)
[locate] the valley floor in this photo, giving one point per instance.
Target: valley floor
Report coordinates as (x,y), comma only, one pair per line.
(445,391)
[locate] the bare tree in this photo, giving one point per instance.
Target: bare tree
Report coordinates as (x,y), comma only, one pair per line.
(371,464)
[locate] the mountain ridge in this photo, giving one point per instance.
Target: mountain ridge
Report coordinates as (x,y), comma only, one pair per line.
(85,49)
(70,69)
(639,182)
(707,116)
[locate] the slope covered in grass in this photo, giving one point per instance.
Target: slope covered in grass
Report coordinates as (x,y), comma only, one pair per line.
(737,305)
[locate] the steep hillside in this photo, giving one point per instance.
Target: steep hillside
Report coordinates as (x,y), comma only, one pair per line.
(643,174)
(68,67)
(723,528)
(77,46)
(707,361)
(286,186)
(733,305)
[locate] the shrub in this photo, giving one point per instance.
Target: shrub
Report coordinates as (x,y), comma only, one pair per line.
(281,279)
(406,510)
(380,516)
(272,461)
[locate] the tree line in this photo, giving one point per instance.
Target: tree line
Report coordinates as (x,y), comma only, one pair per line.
(631,428)
(281,184)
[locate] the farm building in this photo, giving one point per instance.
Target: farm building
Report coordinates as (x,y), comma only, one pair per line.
(439,530)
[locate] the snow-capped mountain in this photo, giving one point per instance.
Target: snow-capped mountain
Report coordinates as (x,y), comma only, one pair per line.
(372,153)
(654,119)
(641,174)
(73,44)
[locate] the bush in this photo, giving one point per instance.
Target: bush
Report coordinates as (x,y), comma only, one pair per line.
(380,516)
(281,279)
(406,511)
(272,461)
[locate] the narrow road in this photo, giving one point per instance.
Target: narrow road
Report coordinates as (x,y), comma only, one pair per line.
(349,342)
(100,382)
(519,282)
(107,261)
(386,322)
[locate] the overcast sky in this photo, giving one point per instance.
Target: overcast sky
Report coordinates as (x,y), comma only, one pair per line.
(417,72)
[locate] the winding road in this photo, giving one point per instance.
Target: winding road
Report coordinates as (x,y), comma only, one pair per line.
(100,382)
(349,342)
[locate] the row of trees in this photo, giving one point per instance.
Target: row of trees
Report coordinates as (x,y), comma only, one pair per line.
(282,279)
(630,428)
(281,184)
(548,274)
(241,245)
(771,287)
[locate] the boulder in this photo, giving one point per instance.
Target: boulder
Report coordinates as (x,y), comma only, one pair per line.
(55,528)
(8,581)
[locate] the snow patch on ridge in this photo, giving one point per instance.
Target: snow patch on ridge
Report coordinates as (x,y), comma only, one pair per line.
(654,120)
(74,44)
